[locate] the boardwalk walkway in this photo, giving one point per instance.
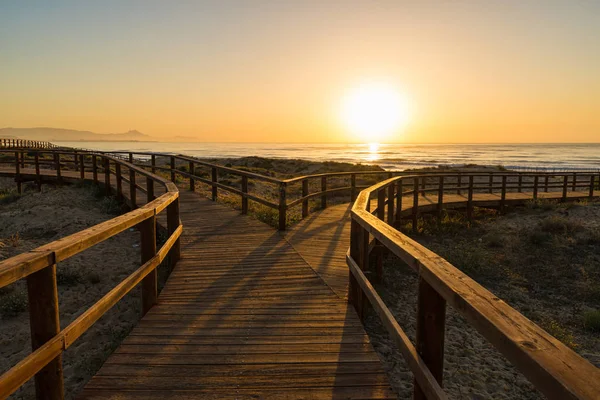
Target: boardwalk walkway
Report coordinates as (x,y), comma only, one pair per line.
(242,316)
(249,312)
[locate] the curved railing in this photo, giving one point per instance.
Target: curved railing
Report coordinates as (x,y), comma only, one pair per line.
(23,143)
(553,368)
(39,266)
(296,192)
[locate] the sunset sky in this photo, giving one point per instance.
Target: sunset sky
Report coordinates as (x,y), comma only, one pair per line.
(278,71)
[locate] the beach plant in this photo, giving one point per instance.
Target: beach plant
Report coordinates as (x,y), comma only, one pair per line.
(13,303)
(8,196)
(14,240)
(591,320)
(559,225)
(68,277)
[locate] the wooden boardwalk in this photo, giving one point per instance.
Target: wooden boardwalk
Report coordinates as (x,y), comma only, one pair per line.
(242,316)
(252,313)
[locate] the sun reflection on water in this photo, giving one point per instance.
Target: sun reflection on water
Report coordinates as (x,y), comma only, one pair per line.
(373,152)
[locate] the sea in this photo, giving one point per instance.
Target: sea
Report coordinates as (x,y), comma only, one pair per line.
(526,157)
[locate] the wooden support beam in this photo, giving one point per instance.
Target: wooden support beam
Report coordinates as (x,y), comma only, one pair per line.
(172,169)
(214,180)
(565,186)
(172,225)
(192,172)
(244,191)
(153,163)
(304,201)
(440,205)
(503,194)
(470,199)
(415,207)
(390,204)
(149,190)
(57,166)
(119,181)
(323,189)
(353,187)
(431,322)
(107,187)
(535,187)
(81,167)
(282,207)
(132,189)
(399,189)
(95,169)
(37,171)
(44,323)
(148,250)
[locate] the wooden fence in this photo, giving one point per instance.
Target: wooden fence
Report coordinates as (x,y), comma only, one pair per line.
(38,267)
(287,196)
(553,368)
(22,143)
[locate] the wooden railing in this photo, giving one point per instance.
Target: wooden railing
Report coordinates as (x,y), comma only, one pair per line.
(553,368)
(295,192)
(23,143)
(39,266)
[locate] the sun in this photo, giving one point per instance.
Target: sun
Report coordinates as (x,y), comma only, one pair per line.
(373,112)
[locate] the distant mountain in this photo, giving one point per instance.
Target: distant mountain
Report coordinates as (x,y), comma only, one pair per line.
(70,135)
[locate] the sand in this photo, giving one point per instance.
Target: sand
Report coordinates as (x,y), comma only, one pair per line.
(553,283)
(39,218)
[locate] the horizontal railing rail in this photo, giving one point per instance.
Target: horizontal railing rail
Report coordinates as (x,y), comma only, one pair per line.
(39,266)
(553,368)
(299,191)
(23,143)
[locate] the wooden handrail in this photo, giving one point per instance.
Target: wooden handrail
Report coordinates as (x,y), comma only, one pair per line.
(38,267)
(553,368)
(455,181)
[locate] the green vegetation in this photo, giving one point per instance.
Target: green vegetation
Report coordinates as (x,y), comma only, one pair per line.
(591,320)
(12,302)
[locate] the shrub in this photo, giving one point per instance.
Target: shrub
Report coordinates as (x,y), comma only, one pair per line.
(539,238)
(591,320)
(66,277)
(12,304)
(559,332)
(559,225)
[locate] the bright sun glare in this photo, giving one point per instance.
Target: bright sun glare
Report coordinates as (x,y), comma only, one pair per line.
(374,112)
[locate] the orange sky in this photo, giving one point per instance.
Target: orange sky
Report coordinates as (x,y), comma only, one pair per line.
(277,71)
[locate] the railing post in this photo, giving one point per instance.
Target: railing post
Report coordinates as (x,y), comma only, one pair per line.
(353,187)
(431,322)
(57,166)
(503,194)
(381,204)
(491,182)
(149,189)
(95,169)
(535,187)
(520,189)
(214,180)
(192,181)
(153,163)
(81,167)
(546,183)
(399,190)
(172,169)
(148,251)
(415,209)
(132,189)
(282,206)
(107,188)
(565,185)
(359,251)
(390,204)
(172,225)
(75,161)
(378,248)
(18,173)
(245,192)
(44,324)
(131,158)
(23,159)
(574,181)
(470,199)
(459,183)
(323,189)
(304,201)
(440,205)
(119,181)
(592,179)
(37,171)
